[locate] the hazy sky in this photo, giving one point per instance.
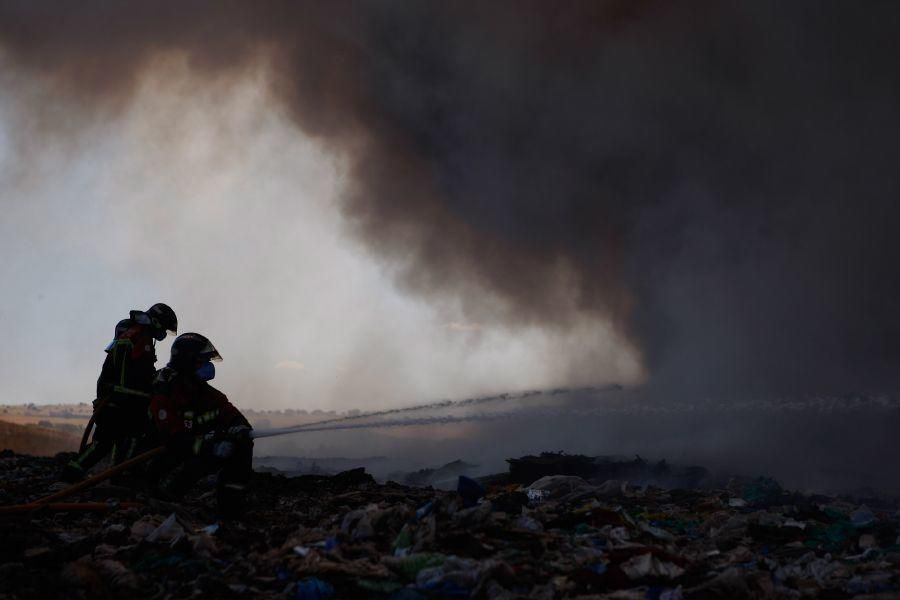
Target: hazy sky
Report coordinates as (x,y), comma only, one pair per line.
(204,196)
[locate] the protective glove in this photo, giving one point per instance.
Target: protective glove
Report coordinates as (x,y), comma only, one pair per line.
(213,444)
(223,449)
(221,443)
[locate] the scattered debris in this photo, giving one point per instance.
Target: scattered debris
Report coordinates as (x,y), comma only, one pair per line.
(346,536)
(444,477)
(528,469)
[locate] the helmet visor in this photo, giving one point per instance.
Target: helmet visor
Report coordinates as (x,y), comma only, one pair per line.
(158,326)
(143,318)
(209,352)
(163,317)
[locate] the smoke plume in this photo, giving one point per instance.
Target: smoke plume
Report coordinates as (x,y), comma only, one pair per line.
(715,179)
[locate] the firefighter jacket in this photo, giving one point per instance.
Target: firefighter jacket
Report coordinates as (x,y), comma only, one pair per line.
(126,379)
(188,412)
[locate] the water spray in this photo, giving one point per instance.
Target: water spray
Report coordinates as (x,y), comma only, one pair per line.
(345,422)
(442,420)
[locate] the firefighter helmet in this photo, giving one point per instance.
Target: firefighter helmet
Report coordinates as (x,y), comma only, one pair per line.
(191,349)
(163,318)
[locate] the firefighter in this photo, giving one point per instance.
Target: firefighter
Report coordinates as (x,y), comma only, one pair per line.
(124,389)
(203,432)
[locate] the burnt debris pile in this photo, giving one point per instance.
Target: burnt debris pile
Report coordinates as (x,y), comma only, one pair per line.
(530,533)
(527,469)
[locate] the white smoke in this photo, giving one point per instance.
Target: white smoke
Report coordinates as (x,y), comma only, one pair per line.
(207,198)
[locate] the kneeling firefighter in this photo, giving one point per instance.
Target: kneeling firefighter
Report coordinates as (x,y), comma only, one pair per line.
(203,432)
(124,389)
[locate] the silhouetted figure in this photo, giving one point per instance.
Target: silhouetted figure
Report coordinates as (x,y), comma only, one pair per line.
(124,389)
(203,432)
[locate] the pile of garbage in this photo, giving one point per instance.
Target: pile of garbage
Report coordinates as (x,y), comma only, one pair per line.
(347,536)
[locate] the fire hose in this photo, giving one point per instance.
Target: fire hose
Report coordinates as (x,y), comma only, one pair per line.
(67,507)
(49,502)
(99,403)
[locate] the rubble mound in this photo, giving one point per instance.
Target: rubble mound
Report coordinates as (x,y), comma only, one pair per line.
(346,536)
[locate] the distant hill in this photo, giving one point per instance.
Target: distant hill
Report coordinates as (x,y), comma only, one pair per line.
(34,440)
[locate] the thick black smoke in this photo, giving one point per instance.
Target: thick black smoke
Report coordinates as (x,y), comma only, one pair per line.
(718,179)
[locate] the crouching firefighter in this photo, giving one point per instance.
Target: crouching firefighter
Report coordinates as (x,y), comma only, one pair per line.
(124,389)
(203,432)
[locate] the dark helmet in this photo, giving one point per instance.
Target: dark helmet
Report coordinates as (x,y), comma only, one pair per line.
(189,349)
(121,327)
(163,318)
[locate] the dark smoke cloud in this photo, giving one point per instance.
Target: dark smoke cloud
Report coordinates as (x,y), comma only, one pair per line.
(718,179)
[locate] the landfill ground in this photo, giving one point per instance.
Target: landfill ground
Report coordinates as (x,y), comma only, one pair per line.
(346,536)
